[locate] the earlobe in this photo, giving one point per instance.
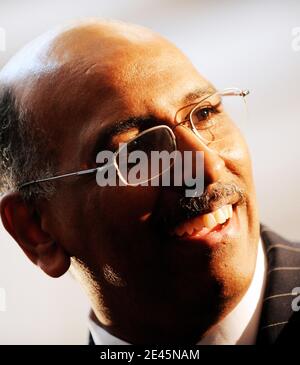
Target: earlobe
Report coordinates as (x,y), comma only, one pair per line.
(21,221)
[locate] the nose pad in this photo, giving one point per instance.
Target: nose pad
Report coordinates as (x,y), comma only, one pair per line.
(213,164)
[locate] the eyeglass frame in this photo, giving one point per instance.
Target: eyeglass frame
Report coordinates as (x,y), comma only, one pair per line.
(225,92)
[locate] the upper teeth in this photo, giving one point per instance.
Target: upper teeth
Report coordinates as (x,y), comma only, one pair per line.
(209,220)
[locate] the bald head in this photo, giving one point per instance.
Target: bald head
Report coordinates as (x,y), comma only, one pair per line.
(65,76)
(84,42)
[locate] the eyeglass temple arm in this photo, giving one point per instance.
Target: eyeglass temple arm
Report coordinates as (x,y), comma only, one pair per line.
(56,177)
(236,92)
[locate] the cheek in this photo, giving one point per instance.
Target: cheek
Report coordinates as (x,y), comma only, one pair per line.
(104,222)
(234,151)
(238,162)
(124,209)
(237,159)
(115,228)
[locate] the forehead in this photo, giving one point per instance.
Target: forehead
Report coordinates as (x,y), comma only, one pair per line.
(94,84)
(93,68)
(146,79)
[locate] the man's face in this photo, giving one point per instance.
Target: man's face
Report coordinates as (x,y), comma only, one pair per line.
(138,273)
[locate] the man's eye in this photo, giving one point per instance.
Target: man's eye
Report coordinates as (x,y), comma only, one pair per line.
(204,117)
(203,113)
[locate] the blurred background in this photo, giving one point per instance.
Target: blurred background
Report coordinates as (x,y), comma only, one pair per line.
(250,44)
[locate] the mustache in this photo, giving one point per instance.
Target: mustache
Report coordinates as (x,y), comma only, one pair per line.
(215,196)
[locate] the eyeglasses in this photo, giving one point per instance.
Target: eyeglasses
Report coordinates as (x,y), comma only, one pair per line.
(209,119)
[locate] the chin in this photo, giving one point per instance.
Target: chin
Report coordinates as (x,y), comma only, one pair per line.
(212,273)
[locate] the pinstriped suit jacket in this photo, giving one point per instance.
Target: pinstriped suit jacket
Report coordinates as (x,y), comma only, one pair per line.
(279,323)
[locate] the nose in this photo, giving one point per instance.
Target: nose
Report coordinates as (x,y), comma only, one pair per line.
(214,165)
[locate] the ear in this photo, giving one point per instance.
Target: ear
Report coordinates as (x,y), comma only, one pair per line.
(22,221)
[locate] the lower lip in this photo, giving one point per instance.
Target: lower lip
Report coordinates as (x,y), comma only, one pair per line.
(218,234)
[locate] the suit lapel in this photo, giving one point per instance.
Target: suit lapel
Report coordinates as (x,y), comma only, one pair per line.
(279,322)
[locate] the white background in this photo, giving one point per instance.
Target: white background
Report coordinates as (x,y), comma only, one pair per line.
(233,43)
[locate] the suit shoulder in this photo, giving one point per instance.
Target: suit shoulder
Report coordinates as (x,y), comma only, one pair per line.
(273,239)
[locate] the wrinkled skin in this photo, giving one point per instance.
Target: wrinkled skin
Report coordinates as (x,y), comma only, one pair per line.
(144,286)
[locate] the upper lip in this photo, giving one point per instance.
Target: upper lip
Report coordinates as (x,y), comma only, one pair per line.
(213,208)
(189,208)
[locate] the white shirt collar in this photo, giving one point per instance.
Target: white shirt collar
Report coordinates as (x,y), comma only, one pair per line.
(239,327)
(102,337)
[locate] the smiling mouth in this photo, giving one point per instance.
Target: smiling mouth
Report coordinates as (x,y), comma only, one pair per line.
(201,225)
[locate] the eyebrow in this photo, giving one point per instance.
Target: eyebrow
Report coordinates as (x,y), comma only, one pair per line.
(144,122)
(105,136)
(122,126)
(198,93)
